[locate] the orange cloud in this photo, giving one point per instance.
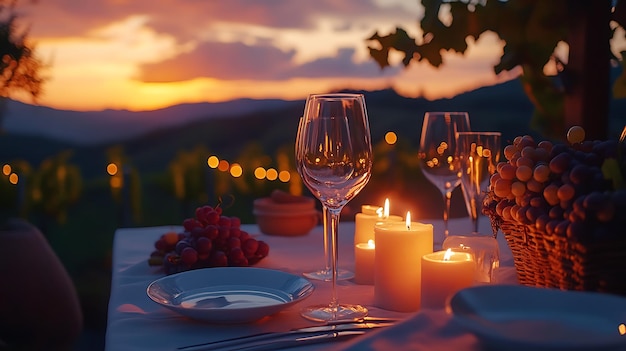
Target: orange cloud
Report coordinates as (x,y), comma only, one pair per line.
(145,54)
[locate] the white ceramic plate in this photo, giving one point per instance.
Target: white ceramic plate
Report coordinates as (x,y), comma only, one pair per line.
(514,317)
(229,294)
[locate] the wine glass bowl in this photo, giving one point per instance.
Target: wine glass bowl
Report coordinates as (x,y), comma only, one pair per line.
(334,160)
(478,154)
(437,153)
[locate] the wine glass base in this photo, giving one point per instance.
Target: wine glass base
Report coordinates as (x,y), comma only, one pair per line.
(326,275)
(325,313)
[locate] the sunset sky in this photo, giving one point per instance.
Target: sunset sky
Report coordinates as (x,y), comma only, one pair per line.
(149,54)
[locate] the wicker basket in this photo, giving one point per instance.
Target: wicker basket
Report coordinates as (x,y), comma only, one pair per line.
(571,236)
(553,260)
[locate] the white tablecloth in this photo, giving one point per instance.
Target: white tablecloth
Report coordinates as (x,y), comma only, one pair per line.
(137,323)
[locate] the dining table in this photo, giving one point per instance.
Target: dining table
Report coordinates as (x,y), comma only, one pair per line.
(137,323)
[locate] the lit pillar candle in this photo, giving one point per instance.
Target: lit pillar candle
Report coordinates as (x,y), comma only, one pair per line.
(364,263)
(365,221)
(443,274)
(397,276)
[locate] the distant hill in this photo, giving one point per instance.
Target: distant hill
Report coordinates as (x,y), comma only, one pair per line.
(110,126)
(152,139)
(98,127)
(503,108)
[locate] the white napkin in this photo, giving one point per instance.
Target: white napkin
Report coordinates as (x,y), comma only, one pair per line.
(428,330)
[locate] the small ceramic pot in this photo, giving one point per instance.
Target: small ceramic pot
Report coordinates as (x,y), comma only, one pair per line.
(285,218)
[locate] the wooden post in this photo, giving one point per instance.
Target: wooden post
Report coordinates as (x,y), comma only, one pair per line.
(587,99)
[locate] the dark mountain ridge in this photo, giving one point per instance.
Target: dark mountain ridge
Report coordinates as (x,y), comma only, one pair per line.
(226,128)
(107,126)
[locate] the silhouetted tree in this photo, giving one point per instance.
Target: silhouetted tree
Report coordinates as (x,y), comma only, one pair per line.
(125,183)
(532,29)
(192,180)
(55,185)
(20,69)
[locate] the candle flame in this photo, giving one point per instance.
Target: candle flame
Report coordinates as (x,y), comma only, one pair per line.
(622,329)
(447,255)
(371,244)
(386,210)
(379,212)
(408,220)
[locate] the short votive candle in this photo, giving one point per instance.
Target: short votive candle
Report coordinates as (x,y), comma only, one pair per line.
(364,262)
(443,274)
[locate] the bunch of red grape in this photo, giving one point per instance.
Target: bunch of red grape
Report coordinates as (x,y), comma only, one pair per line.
(573,190)
(208,240)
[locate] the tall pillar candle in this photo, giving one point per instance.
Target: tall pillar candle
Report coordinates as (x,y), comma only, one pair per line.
(443,274)
(398,273)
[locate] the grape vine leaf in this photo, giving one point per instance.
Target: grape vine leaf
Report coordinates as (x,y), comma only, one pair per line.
(531,31)
(612,172)
(400,40)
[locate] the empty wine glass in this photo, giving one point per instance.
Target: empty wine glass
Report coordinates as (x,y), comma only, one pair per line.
(437,153)
(324,273)
(485,252)
(334,159)
(478,154)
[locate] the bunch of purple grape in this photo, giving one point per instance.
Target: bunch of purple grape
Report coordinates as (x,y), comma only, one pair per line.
(574,190)
(208,240)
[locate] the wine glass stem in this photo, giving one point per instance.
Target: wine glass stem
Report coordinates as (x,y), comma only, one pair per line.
(446,212)
(327,248)
(333,226)
(475,222)
(474,215)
